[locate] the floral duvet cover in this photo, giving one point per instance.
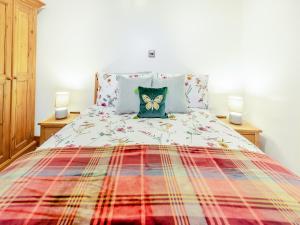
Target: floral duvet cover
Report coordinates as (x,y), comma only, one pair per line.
(101,126)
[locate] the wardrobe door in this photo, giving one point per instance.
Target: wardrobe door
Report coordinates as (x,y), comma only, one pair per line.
(23,109)
(5,77)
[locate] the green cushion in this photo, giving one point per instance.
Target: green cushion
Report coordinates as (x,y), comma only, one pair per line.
(152,102)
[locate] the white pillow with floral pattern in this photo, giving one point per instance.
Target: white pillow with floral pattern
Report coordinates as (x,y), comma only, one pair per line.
(196,89)
(108,92)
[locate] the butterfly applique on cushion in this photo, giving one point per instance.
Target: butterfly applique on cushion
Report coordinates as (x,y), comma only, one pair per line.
(152,103)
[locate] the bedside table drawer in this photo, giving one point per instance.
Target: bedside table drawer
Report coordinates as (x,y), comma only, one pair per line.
(253,138)
(246,130)
(51,126)
(47,132)
(250,137)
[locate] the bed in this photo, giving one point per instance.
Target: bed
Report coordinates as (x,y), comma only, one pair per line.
(115,169)
(101,126)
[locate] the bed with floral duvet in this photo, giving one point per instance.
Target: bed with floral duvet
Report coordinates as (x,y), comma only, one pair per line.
(108,169)
(101,126)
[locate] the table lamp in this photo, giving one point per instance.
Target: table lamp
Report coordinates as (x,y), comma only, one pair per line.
(235,105)
(61,105)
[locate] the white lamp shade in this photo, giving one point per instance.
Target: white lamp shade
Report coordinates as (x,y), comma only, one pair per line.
(62,99)
(235,104)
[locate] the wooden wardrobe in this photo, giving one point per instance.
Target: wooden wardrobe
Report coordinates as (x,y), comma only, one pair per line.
(17,77)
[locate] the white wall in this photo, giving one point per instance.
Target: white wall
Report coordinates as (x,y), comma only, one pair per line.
(271,46)
(78,37)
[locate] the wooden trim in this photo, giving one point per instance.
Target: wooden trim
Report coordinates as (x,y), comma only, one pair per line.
(39,3)
(257,140)
(35,3)
(61,125)
(37,139)
(97,87)
(52,122)
(245,128)
(32,146)
(75,112)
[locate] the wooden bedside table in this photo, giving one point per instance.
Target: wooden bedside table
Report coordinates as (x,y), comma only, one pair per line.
(246,129)
(51,126)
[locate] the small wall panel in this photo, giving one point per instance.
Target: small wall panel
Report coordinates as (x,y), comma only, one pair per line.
(21,42)
(1,103)
(21,113)
(2,37)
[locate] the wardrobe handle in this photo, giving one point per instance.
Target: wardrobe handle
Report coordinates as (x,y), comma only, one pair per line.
(8,78)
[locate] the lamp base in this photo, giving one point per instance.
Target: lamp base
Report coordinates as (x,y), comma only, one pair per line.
(236,118)
(61,113)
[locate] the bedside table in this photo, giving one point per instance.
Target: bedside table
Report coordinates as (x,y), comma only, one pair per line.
(246,129)
(51,126)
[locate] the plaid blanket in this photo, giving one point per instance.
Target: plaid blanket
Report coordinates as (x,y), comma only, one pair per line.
(145,184)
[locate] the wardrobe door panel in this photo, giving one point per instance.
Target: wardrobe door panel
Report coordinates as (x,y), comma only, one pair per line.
(3,19)
(5,88)
(21,132)
(23,77)
(1,102)
(5,77)
(21,46)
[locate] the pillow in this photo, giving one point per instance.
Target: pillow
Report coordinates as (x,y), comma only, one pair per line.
(128,100)
(108,93)
(176,101)
(152,102)
(196,90)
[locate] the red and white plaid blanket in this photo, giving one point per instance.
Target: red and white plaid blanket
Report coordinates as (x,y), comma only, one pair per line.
(144,184)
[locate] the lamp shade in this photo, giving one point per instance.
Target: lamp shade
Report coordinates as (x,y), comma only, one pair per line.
(235,104)
(62,99)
